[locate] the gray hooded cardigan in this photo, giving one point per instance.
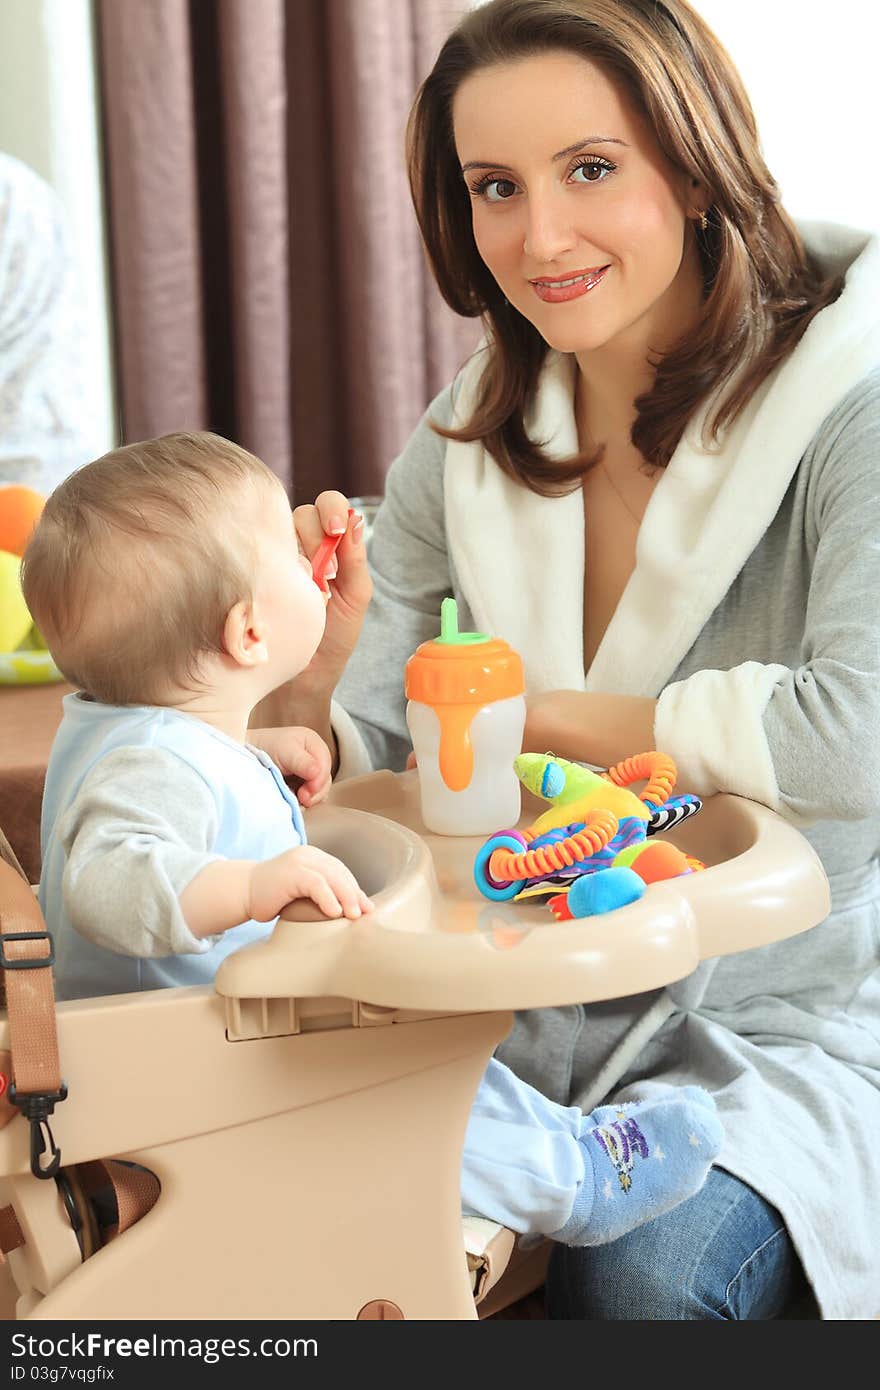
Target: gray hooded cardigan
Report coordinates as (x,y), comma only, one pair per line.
(753,616)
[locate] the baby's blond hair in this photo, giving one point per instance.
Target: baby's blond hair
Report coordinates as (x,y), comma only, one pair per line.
(139,557)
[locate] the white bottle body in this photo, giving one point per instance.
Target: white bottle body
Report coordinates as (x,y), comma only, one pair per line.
(492,799)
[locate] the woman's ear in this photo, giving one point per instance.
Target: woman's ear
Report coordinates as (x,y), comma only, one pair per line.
(243,635)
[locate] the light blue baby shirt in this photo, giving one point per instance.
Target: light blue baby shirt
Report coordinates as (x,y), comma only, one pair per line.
(138,799)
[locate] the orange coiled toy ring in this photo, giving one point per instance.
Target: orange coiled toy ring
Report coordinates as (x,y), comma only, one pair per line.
(600,827)
(659,769)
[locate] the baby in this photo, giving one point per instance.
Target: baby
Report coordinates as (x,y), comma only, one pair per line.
(167,581)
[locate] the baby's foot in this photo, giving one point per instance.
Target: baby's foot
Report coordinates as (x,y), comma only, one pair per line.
(650,1093)
(641,1160)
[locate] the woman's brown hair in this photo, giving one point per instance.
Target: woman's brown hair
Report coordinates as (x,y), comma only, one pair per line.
(761,287)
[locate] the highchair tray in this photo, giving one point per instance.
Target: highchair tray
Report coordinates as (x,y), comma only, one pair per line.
(434,943)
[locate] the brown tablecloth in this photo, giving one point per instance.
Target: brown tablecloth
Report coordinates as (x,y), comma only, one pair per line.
(29,717)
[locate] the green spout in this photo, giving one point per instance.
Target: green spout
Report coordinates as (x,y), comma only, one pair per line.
(449,633)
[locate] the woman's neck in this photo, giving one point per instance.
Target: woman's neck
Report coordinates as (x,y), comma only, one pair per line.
(605,394)
(612,377)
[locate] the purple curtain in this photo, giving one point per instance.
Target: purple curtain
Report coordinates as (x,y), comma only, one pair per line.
(269,283)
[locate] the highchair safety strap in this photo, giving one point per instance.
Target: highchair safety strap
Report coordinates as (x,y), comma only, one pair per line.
(26,957)
(11,1234)
(30,1075)
(135,1190)
(7,853)
(85,1189)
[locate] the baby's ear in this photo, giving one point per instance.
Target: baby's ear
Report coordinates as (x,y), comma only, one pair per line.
(243,635)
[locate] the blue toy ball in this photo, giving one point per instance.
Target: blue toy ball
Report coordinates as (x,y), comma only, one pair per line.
(603,892)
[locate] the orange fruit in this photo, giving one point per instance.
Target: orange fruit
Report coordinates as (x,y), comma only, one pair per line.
(20,509)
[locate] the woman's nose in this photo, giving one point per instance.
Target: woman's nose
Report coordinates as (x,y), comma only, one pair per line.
(549,232)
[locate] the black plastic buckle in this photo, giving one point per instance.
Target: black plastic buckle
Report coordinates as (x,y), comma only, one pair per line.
(62,1182)
(37,964)
(36,1107)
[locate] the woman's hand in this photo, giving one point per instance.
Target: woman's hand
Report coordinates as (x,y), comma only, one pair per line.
(298,753)
(306,700)
(350,585)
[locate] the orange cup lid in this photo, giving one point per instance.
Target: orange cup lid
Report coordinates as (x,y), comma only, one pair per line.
(463,668)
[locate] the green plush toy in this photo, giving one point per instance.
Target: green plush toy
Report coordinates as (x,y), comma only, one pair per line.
(572,791)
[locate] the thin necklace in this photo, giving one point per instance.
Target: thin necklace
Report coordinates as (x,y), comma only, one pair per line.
(620,497)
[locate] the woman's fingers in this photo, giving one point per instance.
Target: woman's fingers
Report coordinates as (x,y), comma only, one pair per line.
(353,585)
(350,590)
(347,577)
(327,516)
(332,508)
(309,533)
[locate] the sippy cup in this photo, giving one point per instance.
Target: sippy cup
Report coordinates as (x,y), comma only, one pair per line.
(466,712)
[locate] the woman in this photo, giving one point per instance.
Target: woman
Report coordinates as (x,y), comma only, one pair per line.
(658,481)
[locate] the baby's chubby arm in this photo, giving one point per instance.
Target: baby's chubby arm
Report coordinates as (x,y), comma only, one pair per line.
(140,828)
(138,840)
(230,891)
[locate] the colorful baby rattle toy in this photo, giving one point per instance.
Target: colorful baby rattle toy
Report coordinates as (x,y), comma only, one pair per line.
(591,849)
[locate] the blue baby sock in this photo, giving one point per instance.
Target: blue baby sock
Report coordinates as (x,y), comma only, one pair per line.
(652,1092)
(641,1160)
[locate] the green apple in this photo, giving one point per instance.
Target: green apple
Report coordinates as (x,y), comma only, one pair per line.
(15,620)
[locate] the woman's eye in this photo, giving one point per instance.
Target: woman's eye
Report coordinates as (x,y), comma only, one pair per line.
(494,190)
(594,170)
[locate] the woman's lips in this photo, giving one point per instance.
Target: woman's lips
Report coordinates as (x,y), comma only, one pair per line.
(572,287)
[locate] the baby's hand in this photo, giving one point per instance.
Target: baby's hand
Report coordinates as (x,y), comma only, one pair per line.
(298,753)
(305,872)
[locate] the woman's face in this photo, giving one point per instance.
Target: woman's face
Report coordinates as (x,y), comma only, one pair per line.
(576,212)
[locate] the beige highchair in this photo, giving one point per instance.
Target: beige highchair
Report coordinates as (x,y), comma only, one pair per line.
(304,1118)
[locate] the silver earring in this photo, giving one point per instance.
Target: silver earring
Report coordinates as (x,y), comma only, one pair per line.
(704,222)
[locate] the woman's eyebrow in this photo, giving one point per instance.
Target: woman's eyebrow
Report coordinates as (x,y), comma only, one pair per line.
(569,149)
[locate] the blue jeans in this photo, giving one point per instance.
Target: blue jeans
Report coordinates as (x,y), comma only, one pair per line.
(724,1253)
